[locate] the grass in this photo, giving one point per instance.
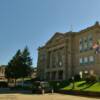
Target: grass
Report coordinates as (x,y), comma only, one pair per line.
(20,79)
(95,87)
(83,86)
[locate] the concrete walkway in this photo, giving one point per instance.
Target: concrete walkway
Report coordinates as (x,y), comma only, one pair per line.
(42,97)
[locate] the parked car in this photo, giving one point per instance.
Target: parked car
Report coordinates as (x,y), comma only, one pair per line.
(42,87)
(25,83)
(3,84)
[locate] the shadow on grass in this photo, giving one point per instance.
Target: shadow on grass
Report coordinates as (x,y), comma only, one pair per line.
(87,85)
(82,84)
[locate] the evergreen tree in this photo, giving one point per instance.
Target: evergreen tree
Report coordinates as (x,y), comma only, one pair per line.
(26,62)
(19,66)
(11,71)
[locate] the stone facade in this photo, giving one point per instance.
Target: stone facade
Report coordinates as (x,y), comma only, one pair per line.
(68,54)
(41,63)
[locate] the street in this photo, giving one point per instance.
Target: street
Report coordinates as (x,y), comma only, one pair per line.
(18,96)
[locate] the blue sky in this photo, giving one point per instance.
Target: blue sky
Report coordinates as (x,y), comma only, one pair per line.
(34,22)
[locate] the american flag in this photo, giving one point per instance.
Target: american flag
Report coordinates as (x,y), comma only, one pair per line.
(96,46)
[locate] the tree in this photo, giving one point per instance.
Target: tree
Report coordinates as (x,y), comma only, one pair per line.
(19,66)
(11,71)
(26,62)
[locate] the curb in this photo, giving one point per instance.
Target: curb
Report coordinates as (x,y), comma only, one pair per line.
(79,93)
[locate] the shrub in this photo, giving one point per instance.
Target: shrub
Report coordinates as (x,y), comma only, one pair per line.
(59,84)
(91,78)
(77,77)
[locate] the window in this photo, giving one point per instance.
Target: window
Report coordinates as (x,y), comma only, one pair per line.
(48,75)
(81,60)
(60,75)
(81,40)
(91,59)
(85,44)
(56,58)
(90,41)
(85,60)
(80,47)
(81,44)
(50,60)
(90,37)
(90,44)
(53,60)
(53,75)
(60,58)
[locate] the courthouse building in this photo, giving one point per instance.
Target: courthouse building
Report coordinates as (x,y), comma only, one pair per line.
(68,54)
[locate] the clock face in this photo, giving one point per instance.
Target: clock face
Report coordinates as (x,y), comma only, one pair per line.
(60,63)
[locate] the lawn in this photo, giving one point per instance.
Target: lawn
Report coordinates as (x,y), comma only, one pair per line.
(25,79)
(83,86)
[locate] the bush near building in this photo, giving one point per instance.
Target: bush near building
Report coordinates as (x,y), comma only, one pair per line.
(59,84)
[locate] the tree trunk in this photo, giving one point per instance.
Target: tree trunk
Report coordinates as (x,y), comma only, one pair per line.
(15,82)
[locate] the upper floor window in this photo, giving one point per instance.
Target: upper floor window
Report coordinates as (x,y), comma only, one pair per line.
(81,47)
(53,60)
(90,37)
(81,40)
(60,58)
(85,44)
(81,44)
(90,41)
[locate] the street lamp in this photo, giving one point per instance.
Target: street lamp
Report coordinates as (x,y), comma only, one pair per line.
(73,82)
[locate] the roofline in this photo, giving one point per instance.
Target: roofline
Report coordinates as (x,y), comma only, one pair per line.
(96,25)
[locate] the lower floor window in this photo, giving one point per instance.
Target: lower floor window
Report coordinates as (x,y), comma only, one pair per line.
(48,75)
(91,59)
(86,60)
(60,75)
(53,75)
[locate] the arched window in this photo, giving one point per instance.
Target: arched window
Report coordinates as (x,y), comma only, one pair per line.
(85,43)
(90,41)
(81,44)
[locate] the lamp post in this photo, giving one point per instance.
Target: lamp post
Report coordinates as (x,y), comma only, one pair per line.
(73,82)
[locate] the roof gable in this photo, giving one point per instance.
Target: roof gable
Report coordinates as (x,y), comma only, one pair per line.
(55,37)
